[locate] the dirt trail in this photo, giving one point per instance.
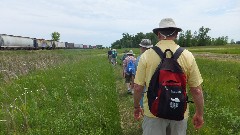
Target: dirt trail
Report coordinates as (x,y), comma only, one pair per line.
(221,57)
(125,103)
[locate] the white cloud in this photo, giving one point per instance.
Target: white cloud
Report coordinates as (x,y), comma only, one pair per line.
(104,21)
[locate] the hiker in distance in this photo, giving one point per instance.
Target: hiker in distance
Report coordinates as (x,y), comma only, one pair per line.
(129,69)
(145,44)
(167,81)
(114,57)
(109,55)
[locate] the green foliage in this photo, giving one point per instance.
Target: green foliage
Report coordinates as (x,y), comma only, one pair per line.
(200,39)
(203,38)
(132,41)
(55,36)
(186,39)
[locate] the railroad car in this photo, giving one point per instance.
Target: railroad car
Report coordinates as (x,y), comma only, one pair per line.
(80,46)
(19,42)
(16,42)
(60,45)
(69,45)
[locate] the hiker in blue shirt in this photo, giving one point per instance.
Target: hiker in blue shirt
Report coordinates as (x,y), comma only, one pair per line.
(144,45)
(129,69)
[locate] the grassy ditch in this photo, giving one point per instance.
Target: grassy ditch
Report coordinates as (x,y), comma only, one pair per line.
(78,97)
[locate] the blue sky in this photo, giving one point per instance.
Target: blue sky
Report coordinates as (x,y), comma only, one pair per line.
(103,21)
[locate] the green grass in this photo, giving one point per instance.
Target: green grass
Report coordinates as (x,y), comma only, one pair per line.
(222,94)
(79,92)
(75,98)
(228,49)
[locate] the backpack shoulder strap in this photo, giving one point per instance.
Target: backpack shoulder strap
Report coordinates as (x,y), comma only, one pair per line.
(159,52)
(178,53)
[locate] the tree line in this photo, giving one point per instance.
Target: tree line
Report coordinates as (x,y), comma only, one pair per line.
(185,39)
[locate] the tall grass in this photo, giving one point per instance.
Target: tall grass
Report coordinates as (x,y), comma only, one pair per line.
(16,63)
(78,97)
(221,88)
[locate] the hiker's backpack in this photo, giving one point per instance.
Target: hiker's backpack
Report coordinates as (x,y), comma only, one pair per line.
(114,54)
(130,67)
(166,93)
(109,52)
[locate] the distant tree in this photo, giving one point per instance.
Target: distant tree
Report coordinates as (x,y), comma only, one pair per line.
(137,39)
(203,38)
(188,39)
(213,41)
(132,41)
(55,36)
(237,42)
(153,37)
(221,40)
(181,39)
(116,44)
(226,40)
(127,40)
(194,39)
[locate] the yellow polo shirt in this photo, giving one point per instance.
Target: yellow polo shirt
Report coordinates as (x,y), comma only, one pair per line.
(150,60)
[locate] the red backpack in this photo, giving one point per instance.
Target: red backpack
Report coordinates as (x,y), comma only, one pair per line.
(166,93)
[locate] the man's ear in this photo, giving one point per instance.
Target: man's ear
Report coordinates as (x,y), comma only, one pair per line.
(159,35)
(176,34)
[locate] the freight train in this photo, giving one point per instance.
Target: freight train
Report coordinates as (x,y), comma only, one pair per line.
(19,42)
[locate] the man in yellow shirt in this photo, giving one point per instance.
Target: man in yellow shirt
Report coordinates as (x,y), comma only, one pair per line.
(167,33)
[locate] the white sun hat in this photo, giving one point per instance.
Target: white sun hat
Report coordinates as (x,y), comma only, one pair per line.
(130,52)
(166,23)
(146,43)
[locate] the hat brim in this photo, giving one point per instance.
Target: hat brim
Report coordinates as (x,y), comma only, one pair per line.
(149,46)
(130,54)
(157,29)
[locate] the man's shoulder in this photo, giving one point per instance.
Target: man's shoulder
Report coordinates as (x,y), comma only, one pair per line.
(147,52)
(187,53)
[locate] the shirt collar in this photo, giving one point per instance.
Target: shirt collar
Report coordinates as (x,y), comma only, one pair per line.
(166,43)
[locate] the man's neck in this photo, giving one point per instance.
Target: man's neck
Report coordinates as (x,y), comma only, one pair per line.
(168,38)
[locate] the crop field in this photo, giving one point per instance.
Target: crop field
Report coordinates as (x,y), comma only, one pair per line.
(80,92)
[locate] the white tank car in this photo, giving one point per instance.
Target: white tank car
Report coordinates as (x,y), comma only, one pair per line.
(9,41)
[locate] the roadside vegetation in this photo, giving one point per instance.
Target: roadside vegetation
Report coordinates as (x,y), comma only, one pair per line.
(80,92)
(76,97)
